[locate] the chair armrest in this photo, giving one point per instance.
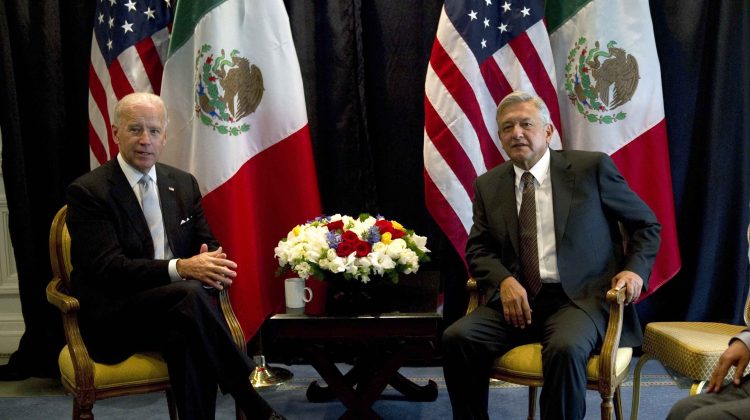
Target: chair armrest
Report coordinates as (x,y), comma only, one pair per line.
(64,302)
(471,287)
(231,319)
(83,365)
(616,300)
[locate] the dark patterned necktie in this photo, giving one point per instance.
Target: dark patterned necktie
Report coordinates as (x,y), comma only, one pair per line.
(527,234)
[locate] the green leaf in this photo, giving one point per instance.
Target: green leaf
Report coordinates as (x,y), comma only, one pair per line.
(592,117)
(607,119)
(580,108)
(205,119)
(222,129)
(621,115)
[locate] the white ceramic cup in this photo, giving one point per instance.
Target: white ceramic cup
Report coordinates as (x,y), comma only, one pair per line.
(296,293)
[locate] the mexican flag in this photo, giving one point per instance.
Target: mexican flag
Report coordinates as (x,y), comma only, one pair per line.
(238,122)
(610,98)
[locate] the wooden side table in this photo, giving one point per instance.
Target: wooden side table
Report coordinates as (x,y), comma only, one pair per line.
(377,345)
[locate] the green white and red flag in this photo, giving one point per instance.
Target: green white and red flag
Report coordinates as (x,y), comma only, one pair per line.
(238,122)
(610,99)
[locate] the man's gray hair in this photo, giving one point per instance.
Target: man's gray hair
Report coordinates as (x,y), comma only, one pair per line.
(518,97)
(137,98)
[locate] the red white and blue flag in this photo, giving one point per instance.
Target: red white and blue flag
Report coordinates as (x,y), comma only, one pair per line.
(482,52)
(128,50)
(597,71)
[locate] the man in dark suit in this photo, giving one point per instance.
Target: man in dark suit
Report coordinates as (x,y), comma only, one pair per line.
(546,278)
(721,402)
(145,266)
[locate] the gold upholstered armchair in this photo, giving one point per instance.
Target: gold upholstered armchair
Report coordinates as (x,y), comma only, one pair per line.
(691,349)
(88,380)
(605,372)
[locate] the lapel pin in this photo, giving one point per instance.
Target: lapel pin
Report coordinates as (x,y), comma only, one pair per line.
(171,189)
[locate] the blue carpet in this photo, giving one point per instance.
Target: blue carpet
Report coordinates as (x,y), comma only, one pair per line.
(658,393)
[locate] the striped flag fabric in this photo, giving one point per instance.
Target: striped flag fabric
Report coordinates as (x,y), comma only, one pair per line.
(610,96)
(238,122)
(483,50)
(128,48)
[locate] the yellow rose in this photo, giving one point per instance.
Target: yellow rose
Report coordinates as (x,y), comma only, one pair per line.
(386,238)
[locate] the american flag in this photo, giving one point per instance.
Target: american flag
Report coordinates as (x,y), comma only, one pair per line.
(483,50)
(128,49)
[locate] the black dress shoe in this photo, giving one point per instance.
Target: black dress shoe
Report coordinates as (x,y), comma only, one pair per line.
(10,372)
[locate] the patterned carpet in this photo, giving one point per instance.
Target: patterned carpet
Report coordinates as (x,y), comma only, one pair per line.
(44,399)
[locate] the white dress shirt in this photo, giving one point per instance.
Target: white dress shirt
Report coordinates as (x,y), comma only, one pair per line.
(133,175)
(545,219)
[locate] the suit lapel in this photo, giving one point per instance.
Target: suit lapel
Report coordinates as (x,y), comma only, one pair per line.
(563,182)
(168,202)
(507,188)
(123,195)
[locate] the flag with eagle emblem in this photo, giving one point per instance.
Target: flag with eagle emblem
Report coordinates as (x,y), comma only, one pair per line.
(237,121)
(610,100)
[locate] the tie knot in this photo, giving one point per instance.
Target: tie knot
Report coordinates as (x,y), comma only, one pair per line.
(528,180)
(145,181)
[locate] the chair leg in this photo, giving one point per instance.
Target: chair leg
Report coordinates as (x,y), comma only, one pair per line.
(618,404)
(606,407)
(532,402)
(171,406)
(637,386)
(82,411)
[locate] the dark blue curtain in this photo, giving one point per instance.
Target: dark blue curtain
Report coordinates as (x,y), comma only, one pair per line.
(363,64)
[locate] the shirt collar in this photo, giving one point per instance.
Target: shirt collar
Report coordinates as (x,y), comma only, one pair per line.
(539,170)
(132,174)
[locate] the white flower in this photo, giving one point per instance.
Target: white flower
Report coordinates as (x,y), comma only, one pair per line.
(306,250)
(420,242)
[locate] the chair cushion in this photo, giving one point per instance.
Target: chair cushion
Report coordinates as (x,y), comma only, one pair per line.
(526,361)
(138,369)
(690,348)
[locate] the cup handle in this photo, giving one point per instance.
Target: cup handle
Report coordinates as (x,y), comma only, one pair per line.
(305,297)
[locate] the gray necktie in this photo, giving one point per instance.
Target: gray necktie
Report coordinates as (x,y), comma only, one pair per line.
(152,211)
(527,235)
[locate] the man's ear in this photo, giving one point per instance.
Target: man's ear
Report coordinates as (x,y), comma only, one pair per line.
(548,130)
(114,134)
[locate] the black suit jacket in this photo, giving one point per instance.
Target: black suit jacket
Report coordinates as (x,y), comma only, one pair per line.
(589,198)
(112,249)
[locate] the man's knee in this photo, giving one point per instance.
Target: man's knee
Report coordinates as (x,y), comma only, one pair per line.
(568,346)
(685,410)
(452,336)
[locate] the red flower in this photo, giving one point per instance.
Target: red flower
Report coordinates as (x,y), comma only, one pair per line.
(386,226)
(349,236)
(336,225)
(585,69)
(362,248)
(212,78)
(344,249)
(209,59)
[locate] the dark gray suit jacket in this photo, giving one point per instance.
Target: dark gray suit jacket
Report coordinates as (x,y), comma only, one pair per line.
(589,198)
(112,249)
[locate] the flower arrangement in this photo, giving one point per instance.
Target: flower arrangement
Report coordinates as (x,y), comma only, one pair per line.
(358,248)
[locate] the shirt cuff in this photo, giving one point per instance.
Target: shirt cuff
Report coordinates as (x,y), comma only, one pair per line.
(744,336)
(172,268)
